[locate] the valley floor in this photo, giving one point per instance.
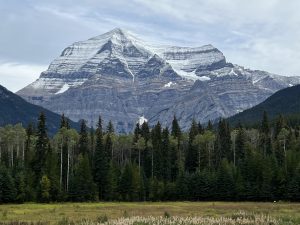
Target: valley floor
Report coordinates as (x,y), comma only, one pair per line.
(58,212)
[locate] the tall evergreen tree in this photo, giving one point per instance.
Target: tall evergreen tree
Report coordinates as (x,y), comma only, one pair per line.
(41,148)
(191,161)
(101,163)
(175,131)
(166,154)
(64,122)
(265,135)
(110,127)
(145,131)
(83,139)
(82,187)
(7,187)
(240,146)
(224,141)
(157,151)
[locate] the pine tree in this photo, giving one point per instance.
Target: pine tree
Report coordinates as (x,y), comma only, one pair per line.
(110,128)
(145,131)
(200,128)
(224,142)
(175,131)
(101,163)
(64,122)
(7,187)
(137,133)
(82,187)
(166,154)
(265,135)
(240,145)
(191,162)
(112,186)
(157,151)
(52,170)
(83,139)
(280,124)
(225,181)
(41,148)
(177,154)
(20,187)
(28,151)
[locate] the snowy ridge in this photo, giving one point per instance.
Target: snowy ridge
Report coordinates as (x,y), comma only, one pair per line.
(121,77)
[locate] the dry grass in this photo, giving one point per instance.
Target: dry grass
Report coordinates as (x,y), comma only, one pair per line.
(54,213)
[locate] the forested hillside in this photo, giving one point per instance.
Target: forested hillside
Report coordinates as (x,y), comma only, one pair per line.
(155,164)
(285,102)
(14,110)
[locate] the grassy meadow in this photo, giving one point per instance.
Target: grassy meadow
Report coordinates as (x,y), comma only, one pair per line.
(66,213)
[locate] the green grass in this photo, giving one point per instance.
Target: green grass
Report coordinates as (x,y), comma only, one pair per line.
(53,213)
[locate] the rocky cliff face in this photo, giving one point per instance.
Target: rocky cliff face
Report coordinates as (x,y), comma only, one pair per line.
(123,79)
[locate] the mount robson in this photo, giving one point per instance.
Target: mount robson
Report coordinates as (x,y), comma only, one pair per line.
(126,80)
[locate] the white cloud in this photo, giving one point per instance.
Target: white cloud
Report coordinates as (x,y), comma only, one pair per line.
(15,76)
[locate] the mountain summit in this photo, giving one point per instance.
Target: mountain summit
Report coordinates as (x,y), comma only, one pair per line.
(122,78)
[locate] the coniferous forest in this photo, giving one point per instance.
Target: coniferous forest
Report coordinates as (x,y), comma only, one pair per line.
(208,162)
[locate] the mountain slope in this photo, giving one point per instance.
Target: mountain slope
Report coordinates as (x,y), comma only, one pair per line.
(124,78)
(285,102)
(15,110)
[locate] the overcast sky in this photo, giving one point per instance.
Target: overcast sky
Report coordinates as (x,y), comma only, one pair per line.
(257,34)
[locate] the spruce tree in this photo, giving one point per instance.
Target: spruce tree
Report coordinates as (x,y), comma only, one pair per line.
(157,151)
(101,163)
(41,148)
(83,139)
(265,135)
(136,133)
(240,146)
(20,186)
(225,181)
(82,186)
(191,161)
(280,124)
(110,128)
(145,131)
(112,186)
(175,131)
(224,141)
(166,154)
(64,122)
(7,186)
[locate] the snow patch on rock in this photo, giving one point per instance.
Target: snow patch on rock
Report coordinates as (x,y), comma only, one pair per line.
(142,119)
(64,88)
(169,84)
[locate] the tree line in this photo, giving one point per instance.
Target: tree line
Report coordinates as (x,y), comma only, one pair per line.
(151,164)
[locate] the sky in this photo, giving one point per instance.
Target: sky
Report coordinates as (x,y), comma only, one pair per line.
(256,34)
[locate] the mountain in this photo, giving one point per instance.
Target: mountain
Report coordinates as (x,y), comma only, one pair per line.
(15,109)
(285,102)
(124,79)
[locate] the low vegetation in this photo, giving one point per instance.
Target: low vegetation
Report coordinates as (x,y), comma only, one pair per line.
(188,213)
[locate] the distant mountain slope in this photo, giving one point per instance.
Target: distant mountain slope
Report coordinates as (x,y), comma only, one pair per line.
(122,78)
(285,102)
(14,109)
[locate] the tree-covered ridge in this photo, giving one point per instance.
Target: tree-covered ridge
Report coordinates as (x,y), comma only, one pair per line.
(285,102)
(15,109)
(152,164)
